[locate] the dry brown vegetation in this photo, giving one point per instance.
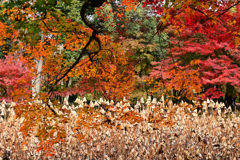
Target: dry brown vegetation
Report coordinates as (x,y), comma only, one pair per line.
(156,130)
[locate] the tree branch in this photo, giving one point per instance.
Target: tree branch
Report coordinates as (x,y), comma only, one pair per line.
(93,3)
(226,10)
(200,11)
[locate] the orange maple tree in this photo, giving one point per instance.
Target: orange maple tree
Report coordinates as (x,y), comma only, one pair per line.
(101,64)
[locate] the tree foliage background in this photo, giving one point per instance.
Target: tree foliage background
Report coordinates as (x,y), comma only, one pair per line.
(182,49)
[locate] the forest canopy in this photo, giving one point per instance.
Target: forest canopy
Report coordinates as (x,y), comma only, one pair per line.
(54,51)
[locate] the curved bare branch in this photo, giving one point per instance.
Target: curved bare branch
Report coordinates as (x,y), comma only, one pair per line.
(93,3)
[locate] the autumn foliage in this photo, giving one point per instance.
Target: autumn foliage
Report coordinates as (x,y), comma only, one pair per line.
(15,79)
(64,57)
(203,46)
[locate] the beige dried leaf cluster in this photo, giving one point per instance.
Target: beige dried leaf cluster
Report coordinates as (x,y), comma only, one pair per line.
(209,133)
